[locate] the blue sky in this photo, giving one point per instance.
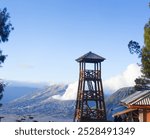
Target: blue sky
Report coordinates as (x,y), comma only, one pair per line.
(50,34)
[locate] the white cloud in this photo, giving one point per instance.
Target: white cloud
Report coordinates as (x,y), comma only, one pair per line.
(26,66)
(70,94)
(125,79)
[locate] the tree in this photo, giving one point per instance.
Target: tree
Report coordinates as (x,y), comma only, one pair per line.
(134,47)
(144,54)
(5,29)
(146,51)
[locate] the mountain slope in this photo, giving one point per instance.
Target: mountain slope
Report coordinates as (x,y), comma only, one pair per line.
(12,92)
(113,101)
(16,89)
(41,103)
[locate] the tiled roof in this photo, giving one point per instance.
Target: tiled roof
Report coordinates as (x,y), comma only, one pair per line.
(143,101)
(138,98)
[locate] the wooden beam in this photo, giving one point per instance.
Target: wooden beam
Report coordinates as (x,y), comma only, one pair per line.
(138,106)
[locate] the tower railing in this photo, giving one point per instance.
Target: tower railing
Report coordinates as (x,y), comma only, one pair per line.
(90,74)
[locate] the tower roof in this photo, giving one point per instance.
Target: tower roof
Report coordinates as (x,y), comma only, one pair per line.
(90,58)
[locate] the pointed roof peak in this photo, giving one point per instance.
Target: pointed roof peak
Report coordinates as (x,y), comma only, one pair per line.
(90,57)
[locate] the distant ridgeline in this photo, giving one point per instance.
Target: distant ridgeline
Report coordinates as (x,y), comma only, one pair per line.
(41,105)
(113,101)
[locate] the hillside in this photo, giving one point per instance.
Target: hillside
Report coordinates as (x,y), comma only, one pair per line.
(13,92)
(41,104)
(113,101)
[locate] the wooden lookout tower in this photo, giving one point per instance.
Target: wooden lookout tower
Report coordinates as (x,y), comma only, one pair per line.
(90,105)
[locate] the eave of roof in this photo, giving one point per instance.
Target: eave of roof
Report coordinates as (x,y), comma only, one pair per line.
(90,57)
(123,112)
